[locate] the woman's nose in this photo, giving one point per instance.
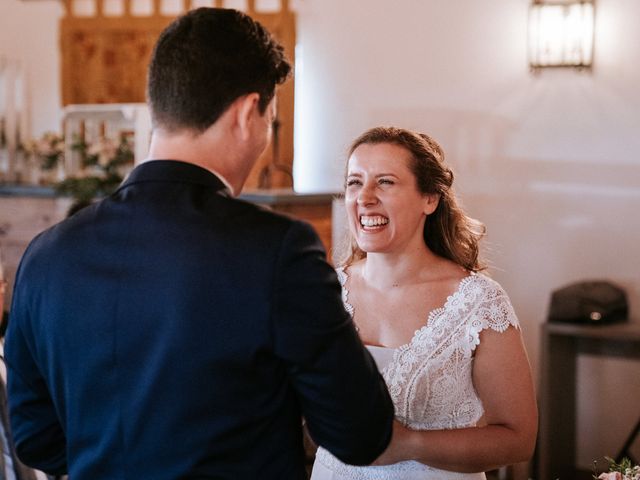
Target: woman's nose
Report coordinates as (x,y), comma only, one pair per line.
(367,196)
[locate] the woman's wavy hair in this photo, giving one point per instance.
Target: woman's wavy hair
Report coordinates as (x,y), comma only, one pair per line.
(448,232)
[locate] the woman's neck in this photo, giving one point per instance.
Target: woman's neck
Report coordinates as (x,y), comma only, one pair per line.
(386,270)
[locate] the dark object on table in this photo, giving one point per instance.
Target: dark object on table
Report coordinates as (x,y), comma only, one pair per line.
(589,302)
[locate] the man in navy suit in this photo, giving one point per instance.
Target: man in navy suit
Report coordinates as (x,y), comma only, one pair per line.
(171,331)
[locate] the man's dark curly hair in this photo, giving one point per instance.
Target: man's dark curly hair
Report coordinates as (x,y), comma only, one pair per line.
(206,59)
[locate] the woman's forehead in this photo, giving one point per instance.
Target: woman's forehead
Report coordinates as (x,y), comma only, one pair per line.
(379,156)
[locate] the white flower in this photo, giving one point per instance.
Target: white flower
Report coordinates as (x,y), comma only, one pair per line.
(105,149)
(50,144)
(621,471)
(610,476)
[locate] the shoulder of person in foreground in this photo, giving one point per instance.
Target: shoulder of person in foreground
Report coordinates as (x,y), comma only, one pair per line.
(343,397)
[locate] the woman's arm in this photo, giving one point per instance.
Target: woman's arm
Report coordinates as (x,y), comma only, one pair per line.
(502,378)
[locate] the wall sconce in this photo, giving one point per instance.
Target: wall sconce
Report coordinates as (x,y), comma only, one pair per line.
(561,34)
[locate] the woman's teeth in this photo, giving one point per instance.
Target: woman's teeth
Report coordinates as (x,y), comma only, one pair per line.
(373,221)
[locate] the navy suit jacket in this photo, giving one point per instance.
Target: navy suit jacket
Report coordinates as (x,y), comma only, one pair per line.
(172,332)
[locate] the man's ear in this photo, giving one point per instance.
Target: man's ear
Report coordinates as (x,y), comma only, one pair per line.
(431,201)
(245,111)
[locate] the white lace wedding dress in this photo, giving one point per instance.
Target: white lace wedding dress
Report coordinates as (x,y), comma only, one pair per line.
(430,378)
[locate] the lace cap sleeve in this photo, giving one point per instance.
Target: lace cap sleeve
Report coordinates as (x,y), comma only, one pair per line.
(492,310)
(342,278)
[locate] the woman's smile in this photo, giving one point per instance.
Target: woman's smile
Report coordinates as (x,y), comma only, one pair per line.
(373,222)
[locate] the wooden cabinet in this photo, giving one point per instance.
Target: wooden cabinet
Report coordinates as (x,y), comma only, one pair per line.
(315,208)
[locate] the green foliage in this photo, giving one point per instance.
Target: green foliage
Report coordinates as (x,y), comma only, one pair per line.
(624,465)
(626,469)
(85,189)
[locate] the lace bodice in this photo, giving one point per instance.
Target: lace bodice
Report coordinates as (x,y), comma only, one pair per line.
(430,378)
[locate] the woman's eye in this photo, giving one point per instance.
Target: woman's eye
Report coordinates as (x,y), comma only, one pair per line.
(352,182)
(386,181)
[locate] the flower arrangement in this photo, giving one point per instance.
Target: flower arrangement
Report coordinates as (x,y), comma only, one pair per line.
(103,168)
(624,470)
(48,150)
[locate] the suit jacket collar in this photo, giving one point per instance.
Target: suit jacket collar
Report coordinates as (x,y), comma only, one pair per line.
(173,171)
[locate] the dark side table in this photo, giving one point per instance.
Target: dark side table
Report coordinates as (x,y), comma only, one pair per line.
(561,345)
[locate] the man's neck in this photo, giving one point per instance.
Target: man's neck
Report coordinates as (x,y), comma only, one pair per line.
(204,150)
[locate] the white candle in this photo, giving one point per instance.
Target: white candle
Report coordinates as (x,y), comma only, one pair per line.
(10,108)
(23,104)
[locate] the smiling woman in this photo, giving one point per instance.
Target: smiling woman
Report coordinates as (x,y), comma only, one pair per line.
(419,162)
(381,187)
(445,337)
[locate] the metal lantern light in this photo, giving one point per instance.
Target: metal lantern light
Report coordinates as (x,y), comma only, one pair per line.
(561,34)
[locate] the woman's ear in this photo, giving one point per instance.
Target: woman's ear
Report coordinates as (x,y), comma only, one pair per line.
(246,107)
(431,201)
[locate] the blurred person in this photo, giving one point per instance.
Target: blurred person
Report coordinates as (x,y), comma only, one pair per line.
(10,467)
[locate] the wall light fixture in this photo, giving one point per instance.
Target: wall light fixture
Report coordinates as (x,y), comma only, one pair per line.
(561,34)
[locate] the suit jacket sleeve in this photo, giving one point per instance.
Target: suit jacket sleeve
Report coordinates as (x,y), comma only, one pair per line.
(343,397)
(38,436)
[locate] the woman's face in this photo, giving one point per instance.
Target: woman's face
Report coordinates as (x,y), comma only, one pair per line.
(385,210)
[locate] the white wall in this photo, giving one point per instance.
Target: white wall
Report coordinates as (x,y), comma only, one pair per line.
(551,163)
